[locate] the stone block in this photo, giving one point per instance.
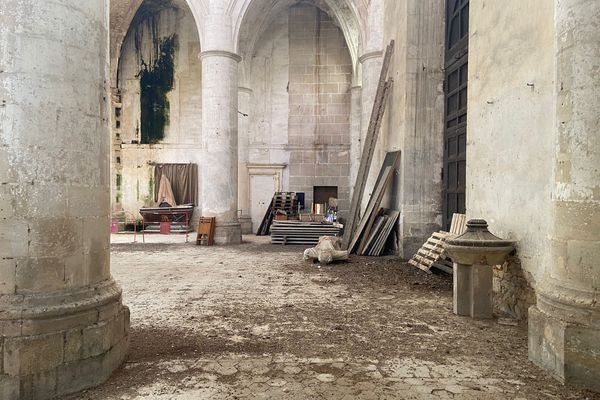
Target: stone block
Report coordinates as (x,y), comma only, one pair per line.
(32,327)
(14,238)
(44,274)
(10,388)
(569,352)
(96,339)
(79,375)
(22,354)
(73,345)
(55,237)
(97,263)
(40,386)
(96,235)
(7,276)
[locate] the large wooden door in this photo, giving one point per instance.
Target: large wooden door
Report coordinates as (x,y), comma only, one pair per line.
(455,116)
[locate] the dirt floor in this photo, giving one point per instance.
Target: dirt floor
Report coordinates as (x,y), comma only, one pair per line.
(256,322)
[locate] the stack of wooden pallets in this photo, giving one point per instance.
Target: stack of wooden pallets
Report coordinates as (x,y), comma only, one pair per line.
(432,253)
(286,202)
(302,233)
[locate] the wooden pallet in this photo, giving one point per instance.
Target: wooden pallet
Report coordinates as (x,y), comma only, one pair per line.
(432,253)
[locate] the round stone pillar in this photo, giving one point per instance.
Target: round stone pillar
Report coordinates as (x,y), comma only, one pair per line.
(62,325)
(371,72)
(244,99)
(564,327)
(220,143)
(355,134)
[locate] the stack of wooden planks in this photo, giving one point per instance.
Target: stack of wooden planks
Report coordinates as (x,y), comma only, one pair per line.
(302,233)
(384,224)
(377,222)
(432,253)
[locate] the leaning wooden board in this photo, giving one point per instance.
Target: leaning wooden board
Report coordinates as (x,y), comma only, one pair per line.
(381,97)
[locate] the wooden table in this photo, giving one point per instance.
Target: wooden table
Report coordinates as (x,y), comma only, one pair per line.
(157,215)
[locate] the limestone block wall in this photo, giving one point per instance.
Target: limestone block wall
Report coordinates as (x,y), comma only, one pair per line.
(299,83)
(62,324)
(132,172)
(414,118)
(319,121)
(510,140)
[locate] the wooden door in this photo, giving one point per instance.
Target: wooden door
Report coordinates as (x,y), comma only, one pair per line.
(455,115)
(262,189)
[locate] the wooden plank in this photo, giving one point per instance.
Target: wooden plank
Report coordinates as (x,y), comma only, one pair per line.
(377,195)
(381,96)
(423,264)
(376,231)
(394,215)
(371,218)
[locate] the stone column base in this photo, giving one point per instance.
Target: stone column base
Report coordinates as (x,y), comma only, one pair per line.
(228,233)
(570,352)
(63,343)
(246,223)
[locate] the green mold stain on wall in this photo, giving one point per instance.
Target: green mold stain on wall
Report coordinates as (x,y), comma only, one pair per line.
(157,75)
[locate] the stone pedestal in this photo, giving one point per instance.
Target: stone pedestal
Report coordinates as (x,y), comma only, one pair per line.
(564,326)
(220,143)
(62,325)
(473,290)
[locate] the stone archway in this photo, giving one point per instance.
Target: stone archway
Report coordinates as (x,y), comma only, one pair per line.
(301,91)
(156,98)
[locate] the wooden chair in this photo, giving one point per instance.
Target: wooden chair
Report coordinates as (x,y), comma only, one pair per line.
(206,231)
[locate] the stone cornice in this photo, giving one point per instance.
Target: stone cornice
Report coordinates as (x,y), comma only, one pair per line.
(220,53)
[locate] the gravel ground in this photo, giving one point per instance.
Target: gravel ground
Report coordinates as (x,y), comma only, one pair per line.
(254,321)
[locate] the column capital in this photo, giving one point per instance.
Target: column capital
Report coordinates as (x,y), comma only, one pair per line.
(220,53)
(370,55)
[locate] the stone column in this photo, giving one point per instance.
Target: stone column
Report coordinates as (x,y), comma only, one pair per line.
(355,134)
(371,71)
(62,325)
(244,98)
(220,143)
(564,327)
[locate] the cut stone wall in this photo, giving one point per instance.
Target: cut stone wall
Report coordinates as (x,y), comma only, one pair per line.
(319,120)
(299,79)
